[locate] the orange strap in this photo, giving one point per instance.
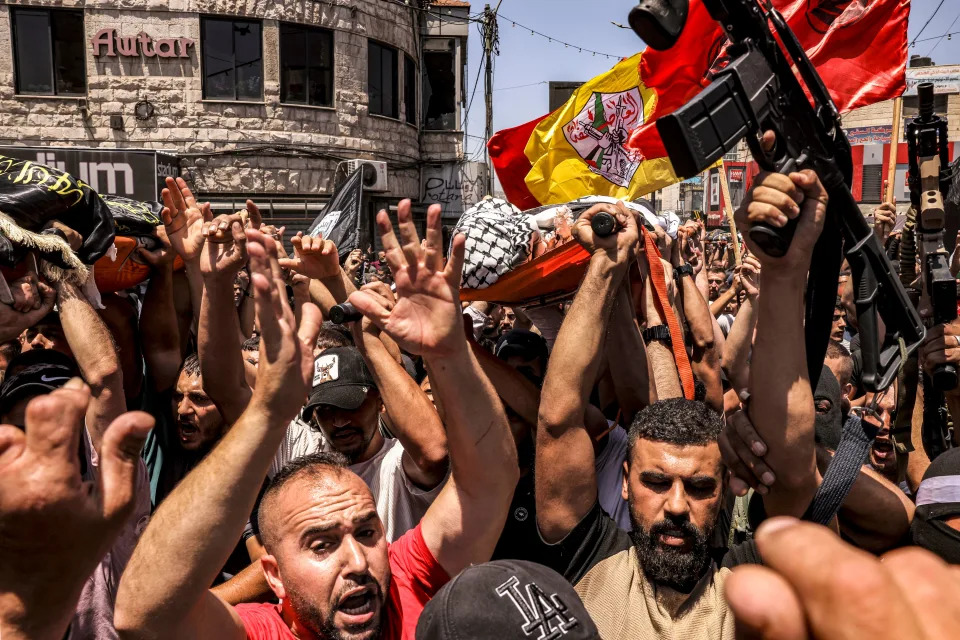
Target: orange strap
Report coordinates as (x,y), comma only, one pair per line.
(662,300)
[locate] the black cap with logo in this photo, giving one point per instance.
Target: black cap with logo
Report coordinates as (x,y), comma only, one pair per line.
(340,379)
(506,599)
(34,373)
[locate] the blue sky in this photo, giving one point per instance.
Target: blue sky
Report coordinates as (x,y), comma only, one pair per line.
(529,60)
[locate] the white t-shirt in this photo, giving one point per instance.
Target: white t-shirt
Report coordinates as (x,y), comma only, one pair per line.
(609,468)
(400,503)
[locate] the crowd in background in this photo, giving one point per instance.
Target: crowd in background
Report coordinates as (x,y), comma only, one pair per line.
(208,456)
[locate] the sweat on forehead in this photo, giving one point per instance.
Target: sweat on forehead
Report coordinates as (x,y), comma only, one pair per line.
(315,468)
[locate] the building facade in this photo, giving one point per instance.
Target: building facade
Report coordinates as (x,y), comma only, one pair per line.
(269,101)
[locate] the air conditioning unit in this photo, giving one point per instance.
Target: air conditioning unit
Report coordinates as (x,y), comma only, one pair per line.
(374,173)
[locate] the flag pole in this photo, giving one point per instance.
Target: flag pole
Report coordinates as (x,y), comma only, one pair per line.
(728,206)
(894,147)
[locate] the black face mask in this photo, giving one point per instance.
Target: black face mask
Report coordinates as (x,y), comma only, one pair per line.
(828,426)
(930,532)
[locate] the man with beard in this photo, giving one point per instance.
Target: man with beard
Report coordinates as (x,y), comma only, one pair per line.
(327,559)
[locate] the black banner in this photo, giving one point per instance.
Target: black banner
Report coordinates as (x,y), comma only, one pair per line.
(340,220)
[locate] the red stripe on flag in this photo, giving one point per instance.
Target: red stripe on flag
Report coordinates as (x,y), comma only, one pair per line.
(507,153)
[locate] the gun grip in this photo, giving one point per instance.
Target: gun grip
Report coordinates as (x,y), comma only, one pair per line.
(773,241)
(603,224)
(945,377)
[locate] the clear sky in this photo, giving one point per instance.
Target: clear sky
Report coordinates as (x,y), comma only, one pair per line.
(533,60)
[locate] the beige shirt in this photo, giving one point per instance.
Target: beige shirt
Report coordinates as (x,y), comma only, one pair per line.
(625,605)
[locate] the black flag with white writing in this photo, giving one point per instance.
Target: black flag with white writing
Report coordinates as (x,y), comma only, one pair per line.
(340,220)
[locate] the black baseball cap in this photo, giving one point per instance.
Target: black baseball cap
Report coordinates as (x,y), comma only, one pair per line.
(35,373)
(340,379)
(523,343)
(506,599)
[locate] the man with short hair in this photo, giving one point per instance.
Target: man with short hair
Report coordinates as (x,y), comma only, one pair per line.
(716,278)
(841,364)
(327,559)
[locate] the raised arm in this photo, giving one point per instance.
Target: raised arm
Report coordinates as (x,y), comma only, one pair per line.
(159,329)
(413,419)
(183,221)
(626,356)
(736,348)
(781,401)
(463,524)
(163,592)
(95,353)
(219,335)
(566,483)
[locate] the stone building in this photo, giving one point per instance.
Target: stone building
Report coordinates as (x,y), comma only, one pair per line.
(266,100)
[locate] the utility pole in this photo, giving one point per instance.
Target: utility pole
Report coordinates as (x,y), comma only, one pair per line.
(491,41)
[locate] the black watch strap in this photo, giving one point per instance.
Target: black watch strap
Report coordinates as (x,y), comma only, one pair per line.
(660,332)
(682,270)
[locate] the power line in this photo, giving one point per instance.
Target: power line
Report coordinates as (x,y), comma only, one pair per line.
(568,45)
(945,35)
(521,86)
(928,22)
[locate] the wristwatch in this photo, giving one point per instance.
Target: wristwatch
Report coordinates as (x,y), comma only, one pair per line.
(682,270)
(660,332)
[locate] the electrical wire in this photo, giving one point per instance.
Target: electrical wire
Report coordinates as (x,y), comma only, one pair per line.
(945,35)
(569,45)
(927,22)
(521,86)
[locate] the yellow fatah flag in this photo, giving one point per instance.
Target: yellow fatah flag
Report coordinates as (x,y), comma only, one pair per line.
(580,149)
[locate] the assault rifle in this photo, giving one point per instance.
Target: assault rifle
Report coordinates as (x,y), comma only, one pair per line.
(759,91)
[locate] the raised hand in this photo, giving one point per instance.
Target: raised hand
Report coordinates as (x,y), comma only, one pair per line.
(162,255)
(315,258)
(225,252)
(426,319)
(814,585)
(884,217)
(285,372)
(776,199)
(383,296)
(184,219)
(55,528)
(621,246)
(32,300)
(749,274)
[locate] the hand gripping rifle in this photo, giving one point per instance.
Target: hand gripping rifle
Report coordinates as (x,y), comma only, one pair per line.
(759,91)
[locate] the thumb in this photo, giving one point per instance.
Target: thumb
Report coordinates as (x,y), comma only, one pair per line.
(119,458)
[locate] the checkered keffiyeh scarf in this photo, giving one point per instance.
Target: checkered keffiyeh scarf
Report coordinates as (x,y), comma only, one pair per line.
(499,238)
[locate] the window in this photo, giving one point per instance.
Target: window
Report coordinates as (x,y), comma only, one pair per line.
(440,88)
(306,65)
(410,89)
(911,105)
(382,81)
(232,59)
(49,49)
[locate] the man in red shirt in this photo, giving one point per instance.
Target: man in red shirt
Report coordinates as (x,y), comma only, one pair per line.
(327,560)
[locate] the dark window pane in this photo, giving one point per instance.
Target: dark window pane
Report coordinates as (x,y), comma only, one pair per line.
(410,89)
(320,60)
(872,183)
(218,71)
(439,91)
(375,75)
(33,51)
(69,52)
(248,51)
(293,64)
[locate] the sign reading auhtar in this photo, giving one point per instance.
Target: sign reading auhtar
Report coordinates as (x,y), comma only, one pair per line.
(140,44)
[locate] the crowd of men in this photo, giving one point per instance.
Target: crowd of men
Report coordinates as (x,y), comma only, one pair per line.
(208,456)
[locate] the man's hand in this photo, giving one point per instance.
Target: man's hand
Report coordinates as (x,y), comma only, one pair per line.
(942,345)
(315,258)
(776,199)
(814,585)
(32,300)
(184,219)
(353,263)
(620,247)
(225,253)
(160,257)
(285,372)
(743,451)
(749,276)
(252,218)
(383,296)
(426,319)
(884,218)
(55,528)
